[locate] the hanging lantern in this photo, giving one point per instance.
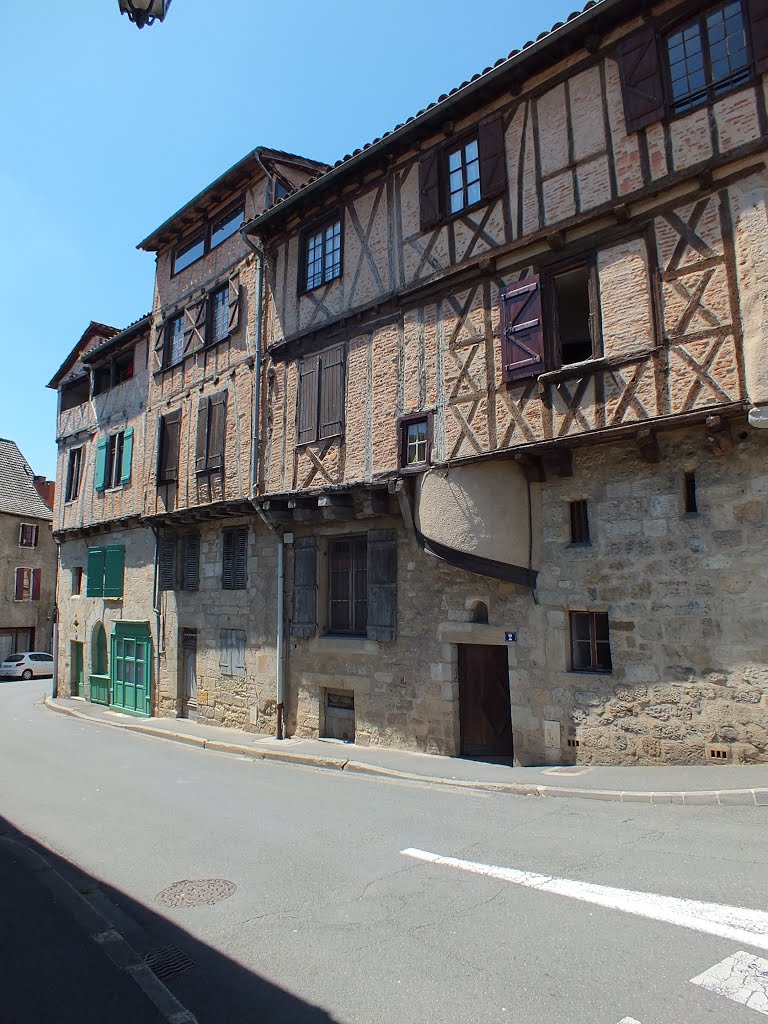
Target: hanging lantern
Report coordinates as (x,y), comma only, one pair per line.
(144,12)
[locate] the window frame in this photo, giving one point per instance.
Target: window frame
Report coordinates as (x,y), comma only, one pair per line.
(32,591)
(210,340)
(709,97)
(593,641)
(578,510)
(76,580)
(168,323)
(111,367)
(359,542)
(324,364)
(453,145)
(175,417)
(553,351)
(319,226)
(74,474)
(204,233)
(35,528)
(403,423)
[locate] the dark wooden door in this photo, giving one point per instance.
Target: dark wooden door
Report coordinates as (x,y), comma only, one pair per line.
(484,709)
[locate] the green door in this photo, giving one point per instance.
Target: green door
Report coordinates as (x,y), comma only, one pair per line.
(131,669)
(77,680)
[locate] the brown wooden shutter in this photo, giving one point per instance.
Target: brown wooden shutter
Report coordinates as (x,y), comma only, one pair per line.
(304,615)
(217,436)
(36,584)
(758,17)
(169,447)
(332,393)
(522,332)
(493,163)
(641,80)
(190,548)
(429,188)
(161,334)
(196,320)
(18,593)
(309,373)
(235,302)
(166,562)
(201,444)
(382,584)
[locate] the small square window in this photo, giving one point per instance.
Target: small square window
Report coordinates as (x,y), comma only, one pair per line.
(321,254)
(579,522)
(415,441)
(28,535)
(590,642)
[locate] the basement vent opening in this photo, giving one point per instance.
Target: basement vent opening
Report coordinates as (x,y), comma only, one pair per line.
(168,961)
(719,752)
(573,742)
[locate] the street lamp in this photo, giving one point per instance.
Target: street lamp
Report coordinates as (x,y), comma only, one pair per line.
(144,12)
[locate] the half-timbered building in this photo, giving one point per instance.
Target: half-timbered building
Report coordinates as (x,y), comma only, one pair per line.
(513,392)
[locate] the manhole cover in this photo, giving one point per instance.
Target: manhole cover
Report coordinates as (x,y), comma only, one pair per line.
(167,962)
(196,892)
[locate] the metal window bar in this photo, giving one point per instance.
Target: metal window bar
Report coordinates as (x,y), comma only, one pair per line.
(579,522)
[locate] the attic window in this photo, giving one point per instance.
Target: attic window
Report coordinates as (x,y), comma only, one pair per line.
(74,394)
(226,226)
(188,254)
(118,370)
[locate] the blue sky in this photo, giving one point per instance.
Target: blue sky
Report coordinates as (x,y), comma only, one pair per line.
(108,130)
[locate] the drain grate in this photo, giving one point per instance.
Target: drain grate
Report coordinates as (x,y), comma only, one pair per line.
(196,892)
(168,961)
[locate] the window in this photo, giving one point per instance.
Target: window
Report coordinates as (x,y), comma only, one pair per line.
(74,469)
(321,254)
(99,659)
(348,586)
(463,176)
(211,433)
(112,373)
(321,396)
(106,569)
(75,393)
(579,523)
(27,586)
(77,580)
(691,504)
(415,440)
(28,535)
(226,226)
(173,349)
(708,56)
(590,643)
(281,190)
(179,561)
(234,568)
(188,254)
(462,173)
(232,652)
(218,323)
(114,455)
(573,321)
(168,447)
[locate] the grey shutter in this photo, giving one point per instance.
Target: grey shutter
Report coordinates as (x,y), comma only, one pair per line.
(309,373)
(429,189)
(166,562)
(382,584)
(190,548)
(493,164)
(217,435)
(304,617)
(758,17)
(240,559)
(238,652)
(331,393)
(228,560)
(522,331)
(201,446)
(235,302)
(225,652)
(641,80)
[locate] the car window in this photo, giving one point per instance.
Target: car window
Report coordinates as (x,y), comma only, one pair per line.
(18,658)
(36,657)
(46,657)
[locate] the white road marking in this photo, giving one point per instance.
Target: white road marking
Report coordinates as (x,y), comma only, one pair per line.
(629,1020)
(736,923)
(742,978)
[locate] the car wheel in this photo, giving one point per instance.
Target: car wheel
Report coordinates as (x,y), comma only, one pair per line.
(27,673)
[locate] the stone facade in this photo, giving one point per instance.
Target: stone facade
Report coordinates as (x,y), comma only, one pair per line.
(26,624)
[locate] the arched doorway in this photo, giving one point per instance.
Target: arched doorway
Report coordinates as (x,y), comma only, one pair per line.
(99,665)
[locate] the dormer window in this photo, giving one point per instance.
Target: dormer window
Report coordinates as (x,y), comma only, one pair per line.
(188,254)
(226,226)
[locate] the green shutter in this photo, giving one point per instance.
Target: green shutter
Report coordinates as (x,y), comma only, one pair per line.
(114,565)
(95,577)
(125,475)
(101,464)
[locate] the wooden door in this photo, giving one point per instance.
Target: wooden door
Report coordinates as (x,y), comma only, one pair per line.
(484,706)
(77,688)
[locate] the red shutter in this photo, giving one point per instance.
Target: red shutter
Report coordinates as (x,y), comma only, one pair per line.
(522,332)
(493,164)
(758,17)
(309,373)
(429,188)
(18,593)
(641,80)
(332,393)
(36,584)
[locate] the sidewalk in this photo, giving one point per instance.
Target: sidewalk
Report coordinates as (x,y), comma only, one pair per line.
(724,785)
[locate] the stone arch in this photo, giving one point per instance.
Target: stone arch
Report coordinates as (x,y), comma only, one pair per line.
(479,611)
(99,655)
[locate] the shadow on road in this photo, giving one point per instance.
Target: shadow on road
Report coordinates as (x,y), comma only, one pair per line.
(53,971)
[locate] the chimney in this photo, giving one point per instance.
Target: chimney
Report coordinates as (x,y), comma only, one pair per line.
(46,489)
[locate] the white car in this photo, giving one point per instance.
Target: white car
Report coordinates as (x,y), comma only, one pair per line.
(26,664)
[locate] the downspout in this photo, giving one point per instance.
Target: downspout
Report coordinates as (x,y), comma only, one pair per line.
(280,657)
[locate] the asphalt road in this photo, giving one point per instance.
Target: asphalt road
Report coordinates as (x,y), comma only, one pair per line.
(331,921)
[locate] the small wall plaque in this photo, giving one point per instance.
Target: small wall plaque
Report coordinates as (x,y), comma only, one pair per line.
(510,638)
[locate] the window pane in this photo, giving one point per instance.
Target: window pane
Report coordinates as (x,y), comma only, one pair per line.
(470,151)
(227,226)
(580,626)
(220,314)
(188,254)
(582,655)
(454,160)
(177,339)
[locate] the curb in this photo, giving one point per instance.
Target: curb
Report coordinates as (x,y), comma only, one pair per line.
(103,933)
(707,798)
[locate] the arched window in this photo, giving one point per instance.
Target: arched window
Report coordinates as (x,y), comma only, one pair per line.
(99,651)
(480,612)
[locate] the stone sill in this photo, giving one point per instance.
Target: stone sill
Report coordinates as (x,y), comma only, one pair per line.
(472,633)
(343,645)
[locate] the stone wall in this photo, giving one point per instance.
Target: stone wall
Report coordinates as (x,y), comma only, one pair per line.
(36,615)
